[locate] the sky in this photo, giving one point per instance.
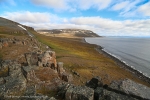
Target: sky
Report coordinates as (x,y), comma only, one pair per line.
(104,17)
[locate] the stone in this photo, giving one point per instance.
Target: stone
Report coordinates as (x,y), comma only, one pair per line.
(62,88)
(15,82)
(2,81)
(52,98)
(94,82)
(5,44)
(1,45)
(111,95)
(79,93)
(48,60)
(29,73)
(60,68)
(98,93)
(131,88)
(67,77)
(103,94)
(31,58)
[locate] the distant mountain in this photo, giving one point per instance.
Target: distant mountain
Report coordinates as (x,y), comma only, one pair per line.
(71,33)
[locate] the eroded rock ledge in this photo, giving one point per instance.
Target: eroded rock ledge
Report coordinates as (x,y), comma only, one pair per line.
(42,73)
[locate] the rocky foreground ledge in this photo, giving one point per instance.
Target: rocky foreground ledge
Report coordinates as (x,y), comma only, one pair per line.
(20,82)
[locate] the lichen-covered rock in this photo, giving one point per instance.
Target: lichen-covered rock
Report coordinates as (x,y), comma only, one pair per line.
(131,88)
(15,83)
(29,73)
(79,93)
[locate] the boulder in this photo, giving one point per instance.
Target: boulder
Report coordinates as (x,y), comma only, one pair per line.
(29,73)
(60,68)
(94,82)
(31,58)
(98,93)
(1,45)
(79,93)
(52,98)
(103,94)
(67,77)
(49,59)
(131,88)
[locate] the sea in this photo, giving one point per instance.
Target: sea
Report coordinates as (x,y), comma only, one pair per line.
(133,51)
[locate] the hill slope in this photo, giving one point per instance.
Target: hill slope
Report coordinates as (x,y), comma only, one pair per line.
(13,28)
(69,33)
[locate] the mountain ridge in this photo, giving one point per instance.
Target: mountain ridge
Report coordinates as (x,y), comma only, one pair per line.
(71,33)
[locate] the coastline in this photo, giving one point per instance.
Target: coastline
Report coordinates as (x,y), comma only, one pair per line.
(121,63)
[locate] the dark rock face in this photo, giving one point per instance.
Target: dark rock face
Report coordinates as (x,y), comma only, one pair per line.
(79,93)
(131,88)
(103,94)
(119,90)
(71,92)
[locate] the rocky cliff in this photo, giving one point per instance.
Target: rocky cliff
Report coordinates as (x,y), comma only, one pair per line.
(71,33)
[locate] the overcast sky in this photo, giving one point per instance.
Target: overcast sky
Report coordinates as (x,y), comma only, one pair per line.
(104,17)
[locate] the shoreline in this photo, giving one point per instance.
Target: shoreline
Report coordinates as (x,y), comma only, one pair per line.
(121,63)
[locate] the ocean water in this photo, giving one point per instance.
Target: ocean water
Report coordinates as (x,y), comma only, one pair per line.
(134,51)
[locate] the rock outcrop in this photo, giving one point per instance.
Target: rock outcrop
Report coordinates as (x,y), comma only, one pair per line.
(131,88)
(79,93)
(95,90)
(19,80)
(14,83)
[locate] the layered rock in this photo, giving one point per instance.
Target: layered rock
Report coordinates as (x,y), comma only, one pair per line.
(131,88)
(46,59)
(14,83)
(71,92)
